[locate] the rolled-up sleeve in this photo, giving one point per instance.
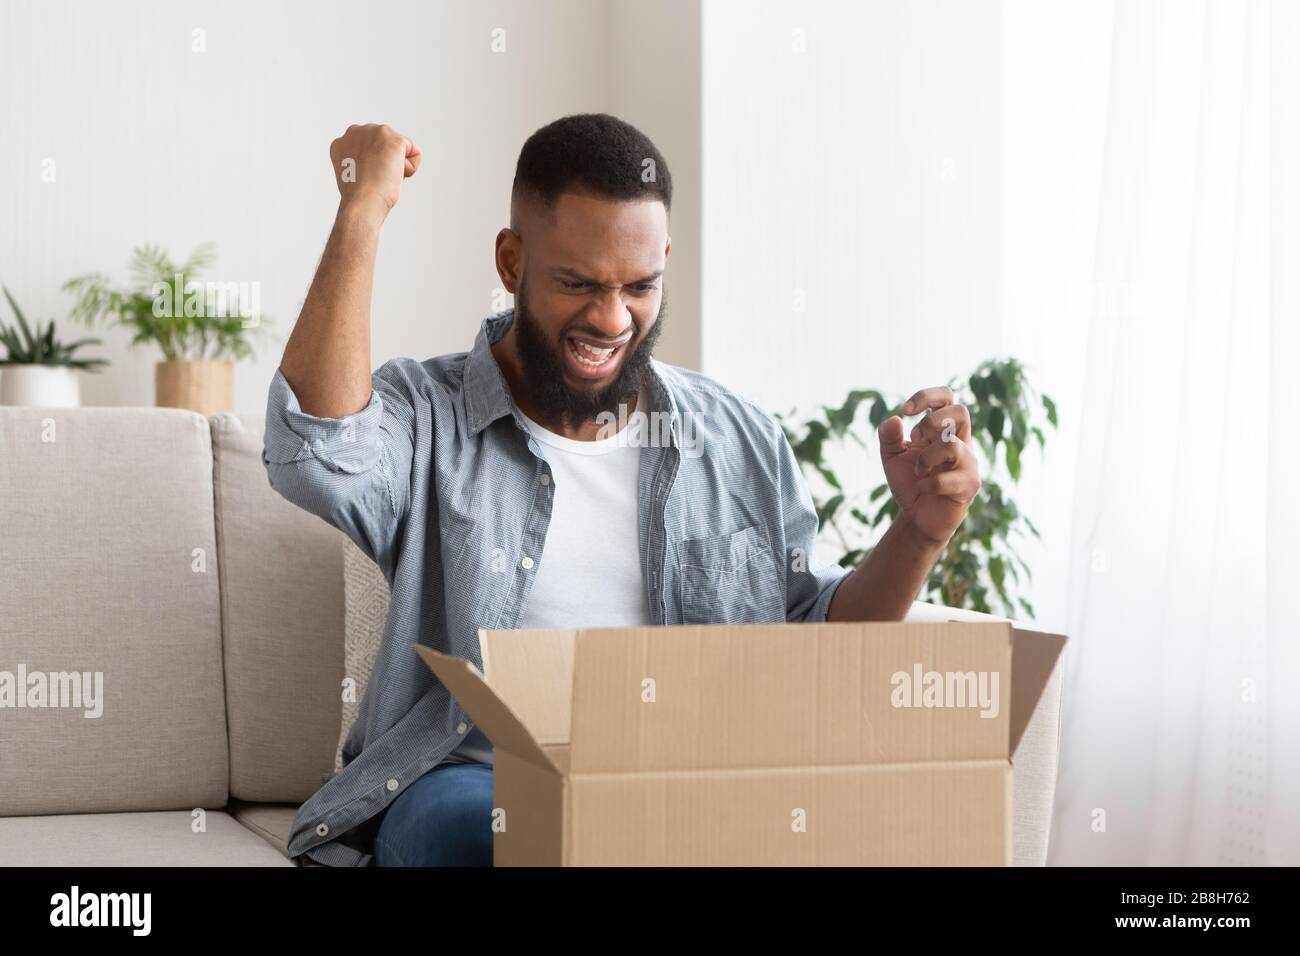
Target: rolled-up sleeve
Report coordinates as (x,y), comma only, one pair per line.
(354,471)
(808,590)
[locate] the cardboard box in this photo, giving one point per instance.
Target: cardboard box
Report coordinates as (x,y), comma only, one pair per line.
(790,744)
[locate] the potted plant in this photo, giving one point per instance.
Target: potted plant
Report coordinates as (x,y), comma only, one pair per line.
(39,370)
(201,328)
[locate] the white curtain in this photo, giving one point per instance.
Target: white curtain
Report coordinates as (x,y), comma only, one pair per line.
(1181,739)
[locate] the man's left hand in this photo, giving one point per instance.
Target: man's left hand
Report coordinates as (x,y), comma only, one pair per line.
(933,474)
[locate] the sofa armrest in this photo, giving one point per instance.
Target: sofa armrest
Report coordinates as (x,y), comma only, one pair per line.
(923,611)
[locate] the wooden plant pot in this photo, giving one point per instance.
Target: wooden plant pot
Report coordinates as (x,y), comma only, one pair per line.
(206,386)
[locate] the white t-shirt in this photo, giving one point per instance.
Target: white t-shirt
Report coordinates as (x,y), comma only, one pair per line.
(589,574)
(590,571)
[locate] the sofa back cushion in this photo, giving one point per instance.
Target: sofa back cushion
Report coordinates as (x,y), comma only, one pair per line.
(108,580)
(282,625)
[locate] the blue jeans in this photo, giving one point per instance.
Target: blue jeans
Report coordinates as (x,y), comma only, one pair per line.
(443,819)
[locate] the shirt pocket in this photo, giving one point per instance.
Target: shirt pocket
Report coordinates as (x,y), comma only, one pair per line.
(730,579)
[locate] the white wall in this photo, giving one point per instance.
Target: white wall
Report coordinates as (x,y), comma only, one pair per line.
(863,172)
(153,141)
(653,79)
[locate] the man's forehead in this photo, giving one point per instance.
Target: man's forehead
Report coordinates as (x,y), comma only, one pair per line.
(601,239)
(582,216)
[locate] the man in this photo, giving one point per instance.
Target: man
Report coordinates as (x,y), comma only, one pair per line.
(493,491)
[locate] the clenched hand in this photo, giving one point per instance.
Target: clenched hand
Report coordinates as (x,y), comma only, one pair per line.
(934,474)
(370,163)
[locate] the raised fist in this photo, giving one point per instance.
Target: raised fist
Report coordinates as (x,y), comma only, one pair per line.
(370,163)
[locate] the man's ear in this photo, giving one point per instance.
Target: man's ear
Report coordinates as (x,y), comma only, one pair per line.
(668,247)
(509,259)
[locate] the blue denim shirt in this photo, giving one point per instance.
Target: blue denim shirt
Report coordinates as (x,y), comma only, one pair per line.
(439,481)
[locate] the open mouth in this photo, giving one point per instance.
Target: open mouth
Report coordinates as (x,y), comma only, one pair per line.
(590,359)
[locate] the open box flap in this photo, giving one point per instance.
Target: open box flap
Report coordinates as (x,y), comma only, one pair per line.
(1033,657)
(532,671)
(468,686)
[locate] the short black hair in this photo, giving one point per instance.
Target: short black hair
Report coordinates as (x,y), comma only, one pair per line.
(594,153)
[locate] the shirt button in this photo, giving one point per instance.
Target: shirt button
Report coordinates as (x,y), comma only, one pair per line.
(546,479)
(391,785)
(322,829)
(526,563)
(462,727)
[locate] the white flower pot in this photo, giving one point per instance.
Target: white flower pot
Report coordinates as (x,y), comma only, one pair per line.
(39,386)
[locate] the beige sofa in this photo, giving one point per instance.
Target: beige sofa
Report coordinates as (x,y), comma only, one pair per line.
(145,545)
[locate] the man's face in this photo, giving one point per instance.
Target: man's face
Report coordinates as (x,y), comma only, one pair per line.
(589,302)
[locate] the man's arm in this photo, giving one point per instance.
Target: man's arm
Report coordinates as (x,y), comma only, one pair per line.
(339,443)
(884,585)
(327,359)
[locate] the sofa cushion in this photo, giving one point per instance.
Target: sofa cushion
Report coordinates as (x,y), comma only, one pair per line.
(133,839)
(282,624)
(108,571)
(271,821)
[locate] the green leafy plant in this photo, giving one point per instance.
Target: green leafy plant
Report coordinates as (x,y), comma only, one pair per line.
(166,304)
(26,347)
(980,562)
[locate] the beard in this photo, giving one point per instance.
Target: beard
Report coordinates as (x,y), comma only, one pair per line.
(542,366)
